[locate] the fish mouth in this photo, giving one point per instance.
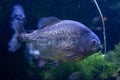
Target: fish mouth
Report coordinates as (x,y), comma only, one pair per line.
(98,49)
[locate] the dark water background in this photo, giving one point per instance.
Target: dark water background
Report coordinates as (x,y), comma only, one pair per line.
(12,66)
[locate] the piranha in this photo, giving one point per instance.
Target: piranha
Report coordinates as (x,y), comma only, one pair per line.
(64,40)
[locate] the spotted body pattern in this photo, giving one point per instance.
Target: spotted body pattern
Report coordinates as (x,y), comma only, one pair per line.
(56,39)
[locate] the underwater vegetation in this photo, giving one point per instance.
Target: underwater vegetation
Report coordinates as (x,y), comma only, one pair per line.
(114,56)
(95,67)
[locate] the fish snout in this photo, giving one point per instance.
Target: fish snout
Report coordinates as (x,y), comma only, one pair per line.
(99,48)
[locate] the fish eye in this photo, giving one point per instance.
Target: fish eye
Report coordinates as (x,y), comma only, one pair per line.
(94,41)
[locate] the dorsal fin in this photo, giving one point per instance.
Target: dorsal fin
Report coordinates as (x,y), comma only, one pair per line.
(47,21)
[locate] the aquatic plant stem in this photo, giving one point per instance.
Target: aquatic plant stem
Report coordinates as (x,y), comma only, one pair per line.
(104,30)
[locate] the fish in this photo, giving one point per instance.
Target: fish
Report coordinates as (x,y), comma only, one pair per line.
(97,19)
(55,39)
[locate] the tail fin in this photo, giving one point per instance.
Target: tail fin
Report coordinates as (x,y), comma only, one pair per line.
(18,18)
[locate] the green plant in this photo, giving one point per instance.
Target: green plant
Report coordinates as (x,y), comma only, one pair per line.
(92,68)
(114,56)
(95,67)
